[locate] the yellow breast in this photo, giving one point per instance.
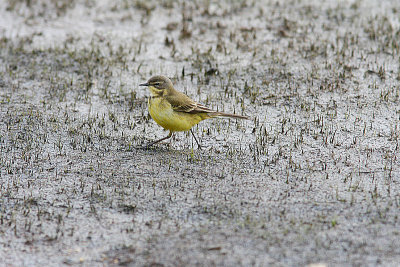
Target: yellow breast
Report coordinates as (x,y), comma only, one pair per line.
(162,112)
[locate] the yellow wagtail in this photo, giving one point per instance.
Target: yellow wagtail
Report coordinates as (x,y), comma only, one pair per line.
(175,111)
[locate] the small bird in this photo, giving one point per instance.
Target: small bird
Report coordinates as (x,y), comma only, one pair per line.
(175,111)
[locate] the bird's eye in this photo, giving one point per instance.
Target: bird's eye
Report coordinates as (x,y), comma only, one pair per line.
(158,85)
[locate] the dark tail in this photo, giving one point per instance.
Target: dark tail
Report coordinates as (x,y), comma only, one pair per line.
(228,115)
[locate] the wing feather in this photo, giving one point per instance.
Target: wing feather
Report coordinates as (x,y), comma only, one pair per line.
(182,103)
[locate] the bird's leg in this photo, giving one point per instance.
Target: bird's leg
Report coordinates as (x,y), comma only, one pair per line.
(162,139)
(195,138)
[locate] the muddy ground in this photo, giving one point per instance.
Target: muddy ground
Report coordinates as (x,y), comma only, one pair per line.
(313,177)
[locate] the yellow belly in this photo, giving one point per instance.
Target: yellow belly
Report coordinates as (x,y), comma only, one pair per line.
(162,112)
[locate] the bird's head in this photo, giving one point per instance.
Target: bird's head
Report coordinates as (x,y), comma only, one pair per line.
(158,85)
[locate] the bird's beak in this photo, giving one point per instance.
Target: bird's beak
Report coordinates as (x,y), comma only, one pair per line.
(144,84)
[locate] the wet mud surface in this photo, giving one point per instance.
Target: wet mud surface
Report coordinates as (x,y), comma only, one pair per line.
(313,177)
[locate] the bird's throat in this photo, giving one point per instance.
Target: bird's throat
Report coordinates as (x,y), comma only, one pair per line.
(154,92)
